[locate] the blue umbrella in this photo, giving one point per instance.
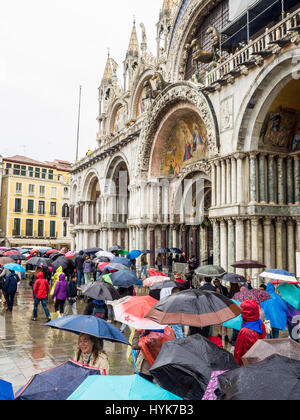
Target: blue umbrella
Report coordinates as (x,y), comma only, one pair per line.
(235,323)
(15,267)
(176,251)
(121,260)
(6,391)
(291,294)
(82,324)
(121,388)
(124,278)
(134,254)
(56,384)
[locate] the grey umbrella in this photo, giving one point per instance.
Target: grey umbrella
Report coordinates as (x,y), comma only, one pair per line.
(210,271)
(100,291)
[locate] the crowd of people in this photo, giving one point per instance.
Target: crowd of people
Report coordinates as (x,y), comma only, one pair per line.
(259,321)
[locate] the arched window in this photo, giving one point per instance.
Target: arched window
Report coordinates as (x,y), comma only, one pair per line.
(65,229)
(65,210)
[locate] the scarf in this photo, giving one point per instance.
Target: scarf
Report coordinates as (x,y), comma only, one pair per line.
(254,326)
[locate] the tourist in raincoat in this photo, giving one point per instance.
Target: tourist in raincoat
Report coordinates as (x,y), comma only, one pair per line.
(275,310)
(252,330)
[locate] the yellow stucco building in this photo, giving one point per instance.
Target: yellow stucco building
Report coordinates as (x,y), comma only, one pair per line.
(35,202)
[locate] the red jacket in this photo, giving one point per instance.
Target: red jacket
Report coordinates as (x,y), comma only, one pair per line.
(41,287)
(247,337)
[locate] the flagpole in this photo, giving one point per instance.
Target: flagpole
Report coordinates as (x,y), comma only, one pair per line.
(78,126)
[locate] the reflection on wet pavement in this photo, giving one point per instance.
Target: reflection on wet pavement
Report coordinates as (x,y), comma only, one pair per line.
(28,347)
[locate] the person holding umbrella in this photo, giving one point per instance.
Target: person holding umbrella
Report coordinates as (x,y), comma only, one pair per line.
(90,353)
(41,289)
(10,289)
(144,266)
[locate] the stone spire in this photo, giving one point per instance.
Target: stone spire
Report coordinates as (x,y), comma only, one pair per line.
(133,48)
(108,73)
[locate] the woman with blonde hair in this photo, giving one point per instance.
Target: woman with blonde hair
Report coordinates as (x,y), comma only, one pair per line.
(90,353)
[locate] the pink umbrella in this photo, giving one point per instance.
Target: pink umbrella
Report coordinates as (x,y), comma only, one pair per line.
(70,255)
(255,294)
(153,273)
(52,251)
(212,386)
(154,280)
(102,265)
(8,253)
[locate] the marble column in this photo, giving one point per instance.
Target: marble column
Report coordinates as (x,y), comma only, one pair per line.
(240,242)
(291,254)
(203,243)
(213,184)
(110,237)
(195,241)
(216,233)
(218,164)
(280,180)
(228,181)
(240,177)
(297,219)
(279,243)
(105,239)
(184,239)
(224,246)
(142,238)
(231,244)
(267,242)
(255,243)
(152,245)
(290,180)
(164,243)
(174,236)
(233,181)
(262,180)
(127,239)
(297,178)
(223,182)
(253,178)
(271,179)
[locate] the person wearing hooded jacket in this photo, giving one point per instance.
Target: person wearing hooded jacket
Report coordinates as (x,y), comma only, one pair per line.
(60,293)
(10,289)
(275,310)
(252,330)
(41,289)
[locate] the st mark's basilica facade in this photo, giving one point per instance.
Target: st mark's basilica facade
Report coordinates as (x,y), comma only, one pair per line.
(200,148)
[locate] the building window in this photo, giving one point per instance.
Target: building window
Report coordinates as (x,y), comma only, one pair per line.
(23,170)
(52,229)
(41,209)
(44,173)
(18,188)
(42,191)
(65,210)
(17,227)
(30,171)
(50,174)
(40,228)
(37,173)
(65,229)
(53,192)
(53,208)
(31,189)
(8,167)
(16,170)
(18,205)
(30,207)
(66,192)
(29,227)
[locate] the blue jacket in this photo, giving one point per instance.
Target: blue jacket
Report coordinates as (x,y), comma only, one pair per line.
(11,283)
(275,309)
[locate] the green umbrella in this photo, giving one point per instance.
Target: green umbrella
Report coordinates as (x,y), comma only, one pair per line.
(122,252)
(210,271)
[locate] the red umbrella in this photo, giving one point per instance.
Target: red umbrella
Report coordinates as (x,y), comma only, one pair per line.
(258,295)
(153,273)
(154,280)
(52,251)
(248,264)
(8,253)
(102,265)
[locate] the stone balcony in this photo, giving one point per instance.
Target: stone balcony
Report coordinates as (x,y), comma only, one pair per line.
(271,42)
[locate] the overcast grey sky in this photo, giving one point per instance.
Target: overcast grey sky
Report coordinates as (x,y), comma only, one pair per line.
(47,50)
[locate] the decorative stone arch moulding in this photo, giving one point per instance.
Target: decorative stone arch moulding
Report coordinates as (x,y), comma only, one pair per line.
(267,85)
(137,90)
(182,32)
(184,93)
(90,176)
(112,112)
(110,170)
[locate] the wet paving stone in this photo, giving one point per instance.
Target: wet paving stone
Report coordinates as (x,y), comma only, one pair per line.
(28,348)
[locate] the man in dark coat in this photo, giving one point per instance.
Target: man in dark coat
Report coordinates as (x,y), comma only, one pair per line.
(79,260)
(10,289)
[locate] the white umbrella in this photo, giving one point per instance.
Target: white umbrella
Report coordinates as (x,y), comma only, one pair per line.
(105,254)
(279,275)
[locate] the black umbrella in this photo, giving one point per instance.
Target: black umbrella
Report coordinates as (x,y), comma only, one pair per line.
(275,378)
(103,259)
(92,250)
(115,248)
(146,251)
(197,308)
(39,262)
(162,250)
(55,255)
(176,251)
(184,366)
(234,278)
(17,257)
(100,291)
(164,285)
(124,278)
(63,262)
